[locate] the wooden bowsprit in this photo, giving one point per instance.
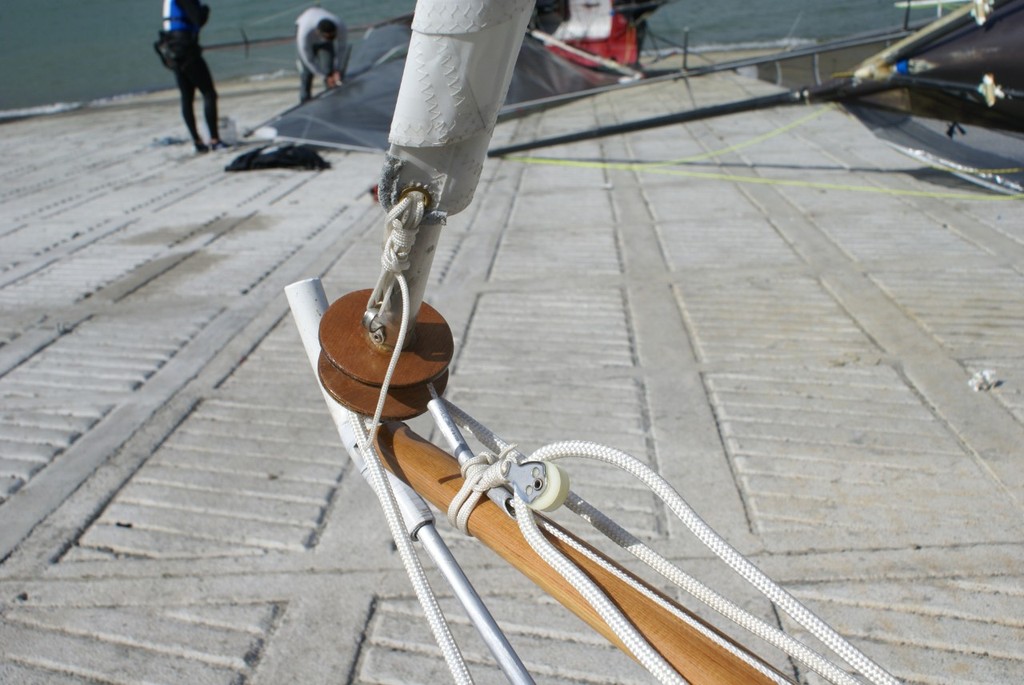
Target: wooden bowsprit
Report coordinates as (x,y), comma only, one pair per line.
(692,647)
(435,475)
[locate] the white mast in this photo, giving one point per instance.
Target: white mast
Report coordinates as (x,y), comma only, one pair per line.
(456,77)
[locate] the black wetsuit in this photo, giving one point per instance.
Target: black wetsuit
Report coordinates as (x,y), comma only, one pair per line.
(190,68)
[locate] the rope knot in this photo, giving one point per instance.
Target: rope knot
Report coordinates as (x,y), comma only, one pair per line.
(403,220)
(481,473)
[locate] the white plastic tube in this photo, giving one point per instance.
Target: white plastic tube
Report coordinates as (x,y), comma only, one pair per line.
(308,302)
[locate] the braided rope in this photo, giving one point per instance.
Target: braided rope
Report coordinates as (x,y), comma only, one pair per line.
(409,211)
(661,488)
(713,541)
(702,592)
(403,220)
(479,474)
(637,645)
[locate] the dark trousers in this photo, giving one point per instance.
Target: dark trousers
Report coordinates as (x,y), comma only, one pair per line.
(192,73)
(323,55)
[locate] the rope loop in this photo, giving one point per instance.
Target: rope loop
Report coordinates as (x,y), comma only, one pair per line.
(403,221)
(479,474)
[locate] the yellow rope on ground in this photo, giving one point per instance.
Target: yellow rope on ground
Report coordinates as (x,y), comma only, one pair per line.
(660,168)
(747,143)
(757,180)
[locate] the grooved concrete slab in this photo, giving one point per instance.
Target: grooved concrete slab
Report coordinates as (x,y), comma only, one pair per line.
(777,312)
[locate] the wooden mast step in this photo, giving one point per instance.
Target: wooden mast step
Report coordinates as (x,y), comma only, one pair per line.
(352,367)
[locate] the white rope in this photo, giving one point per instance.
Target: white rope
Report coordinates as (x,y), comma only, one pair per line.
(616,621)
(775,593)
(709,633)
(619,624)
(479,474)
(485,435)
(403,220)
(417,577)
(382,488)
(794,648)
(722,605)
(403,330)
(403,223)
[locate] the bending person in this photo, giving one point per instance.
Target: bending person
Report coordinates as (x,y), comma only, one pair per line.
(322,41)
(182,21)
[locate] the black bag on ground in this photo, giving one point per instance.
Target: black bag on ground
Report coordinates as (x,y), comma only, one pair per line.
(279,157)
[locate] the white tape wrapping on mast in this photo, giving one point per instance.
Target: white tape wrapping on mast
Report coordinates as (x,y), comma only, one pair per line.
(456,77)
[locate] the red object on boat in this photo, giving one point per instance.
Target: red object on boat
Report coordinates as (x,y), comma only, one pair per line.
(620,45)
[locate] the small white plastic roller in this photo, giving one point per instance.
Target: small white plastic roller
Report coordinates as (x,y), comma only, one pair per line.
(555,490)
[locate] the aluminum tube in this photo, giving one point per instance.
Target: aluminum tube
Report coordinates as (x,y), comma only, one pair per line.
(476,610)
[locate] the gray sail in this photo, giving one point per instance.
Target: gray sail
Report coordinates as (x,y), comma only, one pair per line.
(357,115)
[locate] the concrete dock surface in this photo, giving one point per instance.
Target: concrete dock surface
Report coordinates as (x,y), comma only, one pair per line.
(777,311)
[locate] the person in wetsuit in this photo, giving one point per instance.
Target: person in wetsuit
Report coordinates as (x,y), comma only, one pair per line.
(181,23)
(322,41)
